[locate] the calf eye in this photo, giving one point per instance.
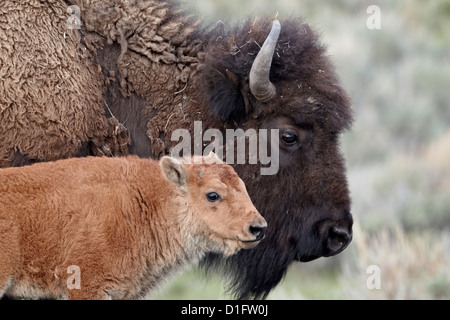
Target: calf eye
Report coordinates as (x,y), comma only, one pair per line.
(289,137)
(213,196)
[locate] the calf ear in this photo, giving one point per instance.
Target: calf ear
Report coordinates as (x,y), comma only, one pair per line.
(173,170)
(212,158)
(223,93)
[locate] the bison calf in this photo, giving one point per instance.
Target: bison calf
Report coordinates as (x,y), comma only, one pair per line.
(99,228)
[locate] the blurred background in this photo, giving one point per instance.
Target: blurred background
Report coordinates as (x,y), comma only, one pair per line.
(398,151)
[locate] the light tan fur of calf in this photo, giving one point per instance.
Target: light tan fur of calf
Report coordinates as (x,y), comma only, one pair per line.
(126,223)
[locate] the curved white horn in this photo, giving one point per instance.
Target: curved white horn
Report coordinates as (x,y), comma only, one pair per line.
(260,85)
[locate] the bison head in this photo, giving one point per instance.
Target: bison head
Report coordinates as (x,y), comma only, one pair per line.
(267,75)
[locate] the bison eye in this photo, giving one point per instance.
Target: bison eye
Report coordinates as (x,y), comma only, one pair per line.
(289,137)
(213,196)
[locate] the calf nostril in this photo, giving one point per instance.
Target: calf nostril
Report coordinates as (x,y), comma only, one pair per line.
(258,231)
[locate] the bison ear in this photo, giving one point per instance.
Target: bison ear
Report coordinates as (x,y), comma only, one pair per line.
(173,170)
(223,93)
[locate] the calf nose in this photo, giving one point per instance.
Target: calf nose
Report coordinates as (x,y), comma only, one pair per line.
(258,231)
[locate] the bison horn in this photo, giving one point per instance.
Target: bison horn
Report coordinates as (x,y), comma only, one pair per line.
(260,85)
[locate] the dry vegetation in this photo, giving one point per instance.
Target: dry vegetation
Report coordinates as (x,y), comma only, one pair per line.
(412,266)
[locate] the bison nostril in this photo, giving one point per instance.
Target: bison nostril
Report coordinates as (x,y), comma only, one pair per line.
(340,233)
(338,239)
(258,231)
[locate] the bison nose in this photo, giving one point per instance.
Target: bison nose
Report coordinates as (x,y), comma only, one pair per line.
(258,231)
(338,240)
(336,235)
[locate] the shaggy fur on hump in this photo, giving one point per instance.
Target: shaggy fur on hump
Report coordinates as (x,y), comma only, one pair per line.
(159,54)
(50,92)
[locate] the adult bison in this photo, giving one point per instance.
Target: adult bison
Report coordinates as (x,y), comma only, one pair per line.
(138,70)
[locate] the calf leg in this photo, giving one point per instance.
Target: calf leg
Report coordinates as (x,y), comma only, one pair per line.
(4,285)
(88,292)
(86,283)
(9,257)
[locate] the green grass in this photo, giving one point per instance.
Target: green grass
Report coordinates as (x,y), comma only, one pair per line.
(301,282)
(193,285)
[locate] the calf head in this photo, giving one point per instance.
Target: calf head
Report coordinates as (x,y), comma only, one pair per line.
(221,211)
